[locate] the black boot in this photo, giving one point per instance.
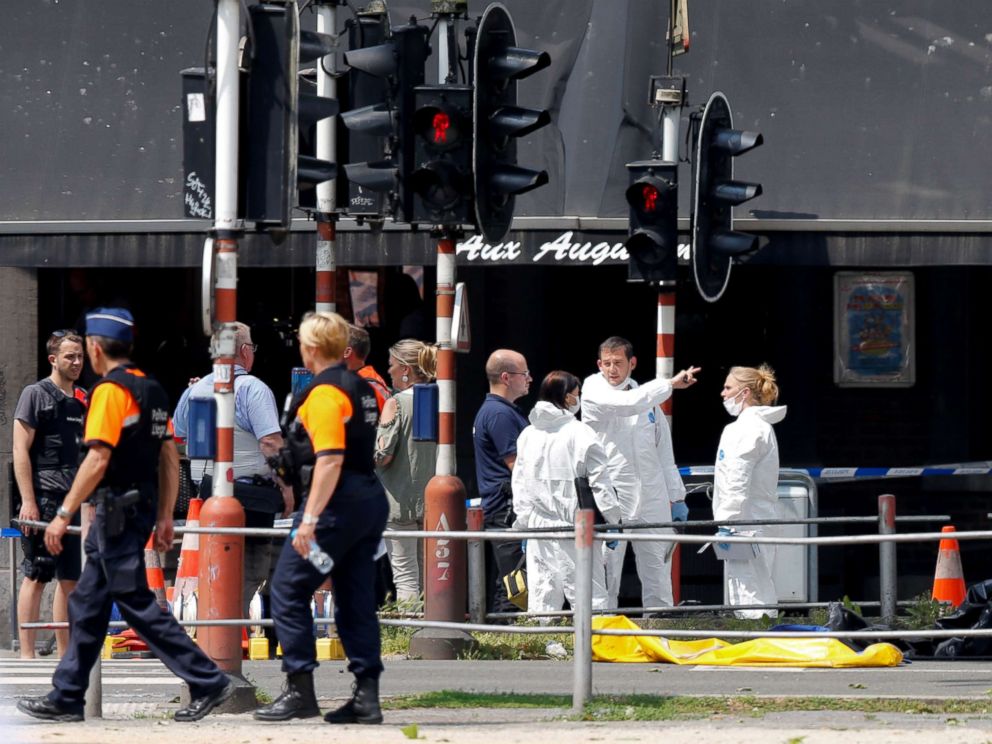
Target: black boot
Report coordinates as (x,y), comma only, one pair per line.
(363,706)
(297,700)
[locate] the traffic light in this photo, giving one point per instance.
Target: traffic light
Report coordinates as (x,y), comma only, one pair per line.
(311,170)
(653,242)
(499,64)
(383,91)
(441,181)
(276,110)
(715,193)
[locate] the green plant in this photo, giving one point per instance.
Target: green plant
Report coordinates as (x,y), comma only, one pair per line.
(851,605)
(923,613)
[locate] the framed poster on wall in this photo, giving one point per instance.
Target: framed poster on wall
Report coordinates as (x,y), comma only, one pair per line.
(874,329)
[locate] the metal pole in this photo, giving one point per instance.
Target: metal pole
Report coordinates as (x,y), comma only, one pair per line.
(476,569)
(887,578)
(222,556)
(93,702)
(326,260)
(12,574)
(582,620)
(445,354)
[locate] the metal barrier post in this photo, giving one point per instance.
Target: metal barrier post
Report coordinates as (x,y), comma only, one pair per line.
(93,702)
(476,569)
(12,574)
(887,556)
(582,619)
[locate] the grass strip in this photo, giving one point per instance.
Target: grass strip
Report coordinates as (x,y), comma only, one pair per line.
(660,708)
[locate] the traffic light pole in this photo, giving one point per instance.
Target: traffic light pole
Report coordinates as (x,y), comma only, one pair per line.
(444,498)
(665,360)
(222,556)
(326,258)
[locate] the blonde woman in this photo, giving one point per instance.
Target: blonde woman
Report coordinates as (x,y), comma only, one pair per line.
(404,466)
(332,439)
(745,480)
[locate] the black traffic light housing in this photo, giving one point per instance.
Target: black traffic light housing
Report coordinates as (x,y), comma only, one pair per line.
(441,182)
(498,65)
(653,242)
(383,93)
(715,194)
(275,112)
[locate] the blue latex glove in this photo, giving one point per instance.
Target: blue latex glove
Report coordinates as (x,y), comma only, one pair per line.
(523,547)
(612,544)
(680,512)
(726,532)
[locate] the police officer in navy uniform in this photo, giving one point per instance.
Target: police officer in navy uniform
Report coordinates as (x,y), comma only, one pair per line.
(330,447)
(130,461)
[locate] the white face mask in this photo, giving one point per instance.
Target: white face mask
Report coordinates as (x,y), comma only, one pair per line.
(575,407)
(734,406)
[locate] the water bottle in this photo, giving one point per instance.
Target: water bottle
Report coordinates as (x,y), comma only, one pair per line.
(320,560)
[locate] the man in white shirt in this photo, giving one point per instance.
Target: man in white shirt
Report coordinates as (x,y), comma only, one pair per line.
(629,422)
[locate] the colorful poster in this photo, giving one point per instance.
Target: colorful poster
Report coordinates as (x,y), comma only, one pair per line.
(874,329)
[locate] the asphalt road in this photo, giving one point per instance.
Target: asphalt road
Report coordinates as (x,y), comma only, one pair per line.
(146,683)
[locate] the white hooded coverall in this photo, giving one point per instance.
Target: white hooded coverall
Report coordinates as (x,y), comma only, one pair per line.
(551,452)
(638,442)
(745,486)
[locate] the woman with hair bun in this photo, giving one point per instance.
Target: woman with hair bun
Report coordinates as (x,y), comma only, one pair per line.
(405,466)
(745,480)
(552,452)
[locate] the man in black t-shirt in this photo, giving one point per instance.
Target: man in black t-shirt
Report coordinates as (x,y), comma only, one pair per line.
(494,434)
(48,425)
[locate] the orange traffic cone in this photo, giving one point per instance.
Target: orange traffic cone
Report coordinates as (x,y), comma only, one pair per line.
(188,571)
(154,573)
(948,580)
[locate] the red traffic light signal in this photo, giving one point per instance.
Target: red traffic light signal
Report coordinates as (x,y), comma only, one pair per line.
(653,243)
(442,177)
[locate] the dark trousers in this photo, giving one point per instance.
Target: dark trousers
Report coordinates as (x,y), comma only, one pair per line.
(349,531)
(122,579)
(502,557)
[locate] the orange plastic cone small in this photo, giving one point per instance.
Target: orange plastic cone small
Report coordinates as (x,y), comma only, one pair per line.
(948,580)
(154,573)
(188,572)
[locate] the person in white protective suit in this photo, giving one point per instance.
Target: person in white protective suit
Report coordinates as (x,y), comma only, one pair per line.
(745,481)
(552,452)
(638,440)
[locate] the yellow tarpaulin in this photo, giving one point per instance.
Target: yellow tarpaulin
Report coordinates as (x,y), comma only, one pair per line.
(783,652)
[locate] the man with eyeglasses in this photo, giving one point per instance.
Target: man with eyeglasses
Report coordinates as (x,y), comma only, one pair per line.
(48,424)
(257,435)
(494,433)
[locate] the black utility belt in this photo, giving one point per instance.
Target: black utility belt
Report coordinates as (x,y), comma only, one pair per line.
(255,494)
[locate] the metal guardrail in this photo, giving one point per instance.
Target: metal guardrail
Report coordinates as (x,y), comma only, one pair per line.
(585,536)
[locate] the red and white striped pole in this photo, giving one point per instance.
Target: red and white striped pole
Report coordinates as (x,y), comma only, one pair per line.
(665,359)
(222,556)
(326,265)
(444,498)
(326,301)
(665,367)
(445,356)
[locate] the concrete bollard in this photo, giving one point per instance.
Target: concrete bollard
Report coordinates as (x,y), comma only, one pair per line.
(444,571)
(220,582)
